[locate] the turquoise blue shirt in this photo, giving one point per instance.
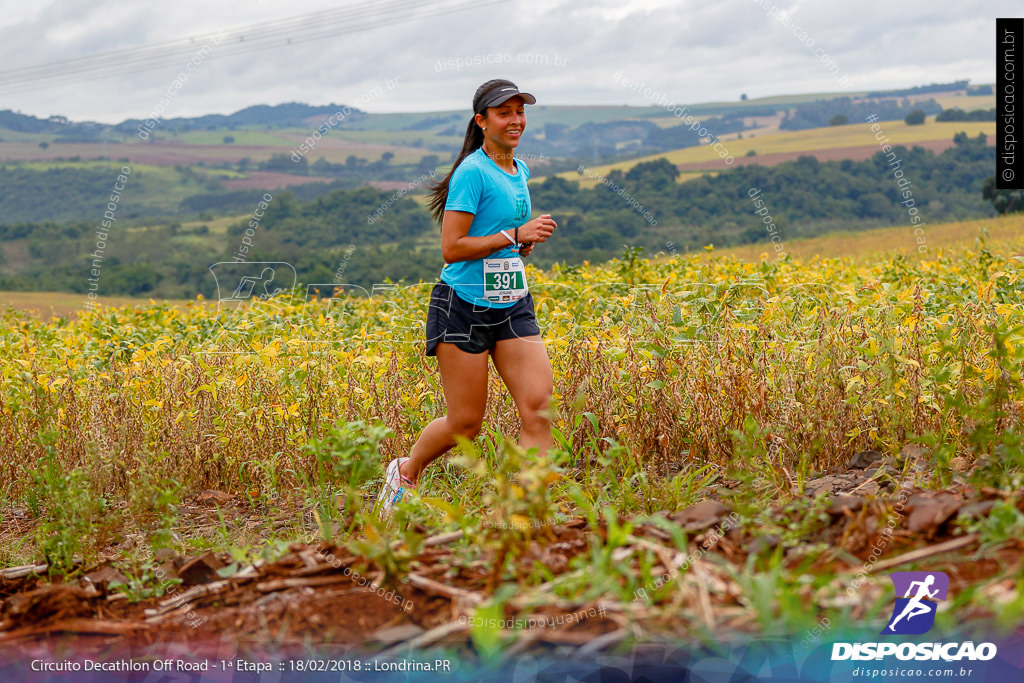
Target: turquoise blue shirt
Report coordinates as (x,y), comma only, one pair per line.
(498,201)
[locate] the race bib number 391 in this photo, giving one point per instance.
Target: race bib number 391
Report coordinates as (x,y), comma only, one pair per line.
(504,279)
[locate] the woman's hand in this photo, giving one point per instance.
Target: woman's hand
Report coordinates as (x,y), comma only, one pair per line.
(525,249)
(537,230)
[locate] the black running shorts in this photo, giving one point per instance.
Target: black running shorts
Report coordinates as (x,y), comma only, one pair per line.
(452,319)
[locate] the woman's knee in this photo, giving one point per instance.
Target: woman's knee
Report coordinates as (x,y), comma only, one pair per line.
(534,412)
(465,425)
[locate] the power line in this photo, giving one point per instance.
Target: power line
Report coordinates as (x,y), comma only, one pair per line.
(247,39)
(242,40)
(133,60)
(251,28)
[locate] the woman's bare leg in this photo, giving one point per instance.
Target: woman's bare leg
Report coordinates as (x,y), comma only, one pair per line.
(523,364)
(464,378)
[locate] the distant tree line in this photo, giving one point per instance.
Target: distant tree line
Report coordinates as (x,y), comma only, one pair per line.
(823,112)
(920,89)
(286,115)
(961,115)
(619,139)
(805,198)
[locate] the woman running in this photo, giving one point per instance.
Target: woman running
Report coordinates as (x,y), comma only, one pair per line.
(482,306)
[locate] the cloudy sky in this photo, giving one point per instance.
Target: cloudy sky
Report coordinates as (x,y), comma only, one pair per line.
(436,52)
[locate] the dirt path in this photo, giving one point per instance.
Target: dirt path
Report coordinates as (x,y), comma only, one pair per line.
(323,597)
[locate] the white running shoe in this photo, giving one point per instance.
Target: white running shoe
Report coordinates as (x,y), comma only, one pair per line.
(394,488)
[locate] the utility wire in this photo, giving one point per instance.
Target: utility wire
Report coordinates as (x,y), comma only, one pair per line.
(247,39)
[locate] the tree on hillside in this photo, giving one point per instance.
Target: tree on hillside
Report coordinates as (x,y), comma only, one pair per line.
(838,120)
(1004,201)
(283,163)
(428,163)
(554,191)
(657,175)
(915,118)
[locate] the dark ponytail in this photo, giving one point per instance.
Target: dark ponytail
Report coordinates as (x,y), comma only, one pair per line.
(474,139)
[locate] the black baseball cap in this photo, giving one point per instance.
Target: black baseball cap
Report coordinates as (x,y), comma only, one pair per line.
(501,94)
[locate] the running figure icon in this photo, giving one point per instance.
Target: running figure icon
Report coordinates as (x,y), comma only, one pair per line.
(916,605)
(249,286)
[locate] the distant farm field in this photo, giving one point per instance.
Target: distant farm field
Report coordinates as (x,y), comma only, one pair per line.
(890,241)
(857,139)
(47,305)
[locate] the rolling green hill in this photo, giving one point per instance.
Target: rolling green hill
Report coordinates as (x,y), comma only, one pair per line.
(192,179)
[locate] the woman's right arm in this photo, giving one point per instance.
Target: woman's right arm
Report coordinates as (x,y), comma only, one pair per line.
(457,245)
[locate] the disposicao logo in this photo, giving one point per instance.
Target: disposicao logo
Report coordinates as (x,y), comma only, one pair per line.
(917,596)
(914,613)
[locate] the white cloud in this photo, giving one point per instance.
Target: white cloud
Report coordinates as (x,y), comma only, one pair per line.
(693,51)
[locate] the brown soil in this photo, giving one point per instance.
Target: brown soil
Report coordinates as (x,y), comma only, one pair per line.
(267,180)
(312,596)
